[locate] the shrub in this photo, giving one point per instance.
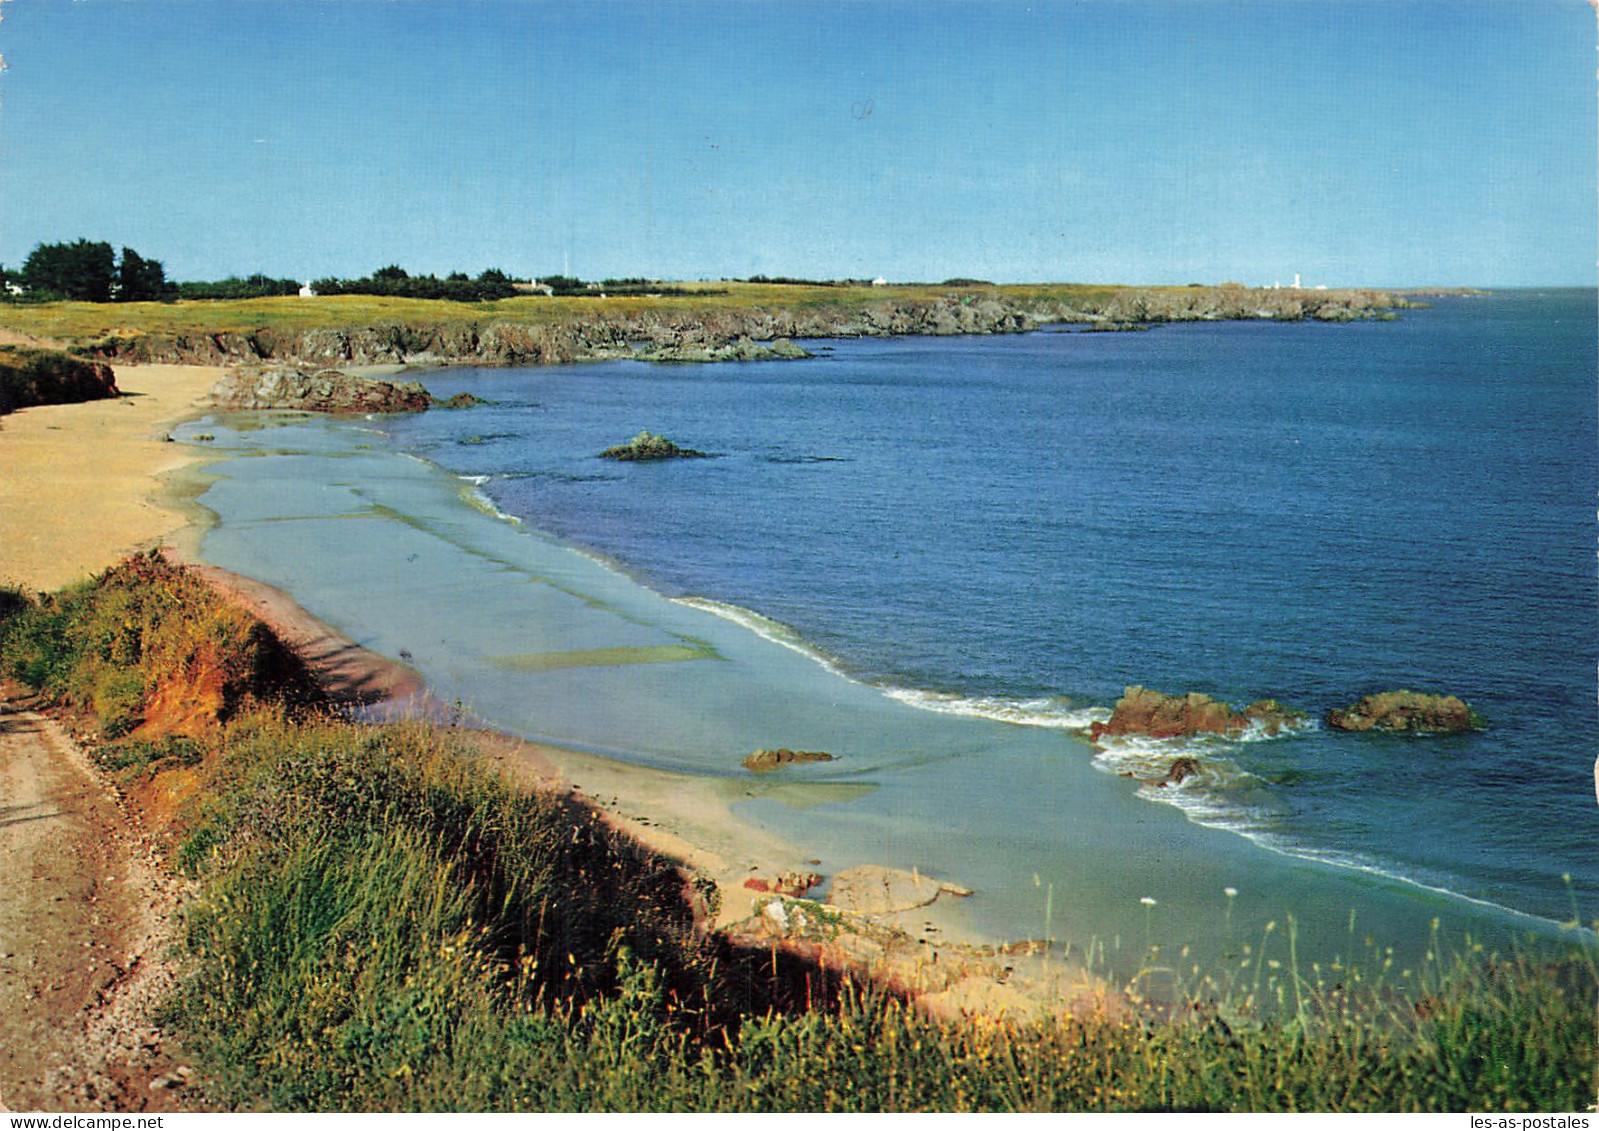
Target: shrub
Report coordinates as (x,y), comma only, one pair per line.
(148,633)
(31,377)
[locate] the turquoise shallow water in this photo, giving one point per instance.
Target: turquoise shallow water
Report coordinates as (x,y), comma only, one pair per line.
(956,533)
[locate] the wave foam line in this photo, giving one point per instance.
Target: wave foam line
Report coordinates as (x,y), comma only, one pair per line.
(765,627)
(1051,713)
(472,491)
(1203,798)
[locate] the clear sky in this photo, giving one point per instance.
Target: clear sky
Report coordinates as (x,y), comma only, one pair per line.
(1138,141)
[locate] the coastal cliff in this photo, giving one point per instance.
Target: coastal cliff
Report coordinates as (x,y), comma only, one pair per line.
(698,329)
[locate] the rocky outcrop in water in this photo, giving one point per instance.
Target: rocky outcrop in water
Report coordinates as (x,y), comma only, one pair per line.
(870,889)
(1154,714)
(1407,711)
(744,349)
(649,446)
(1181,770)
(328,390)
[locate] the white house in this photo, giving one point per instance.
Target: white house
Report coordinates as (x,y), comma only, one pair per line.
(306,291)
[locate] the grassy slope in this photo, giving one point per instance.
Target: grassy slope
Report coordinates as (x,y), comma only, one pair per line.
(383,923)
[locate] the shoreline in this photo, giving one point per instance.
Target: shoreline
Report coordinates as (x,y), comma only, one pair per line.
(688,820)
(478,600)
(689,817)
(127,466)
(345,330)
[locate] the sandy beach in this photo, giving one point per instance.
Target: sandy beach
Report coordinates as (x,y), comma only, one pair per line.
(82,483)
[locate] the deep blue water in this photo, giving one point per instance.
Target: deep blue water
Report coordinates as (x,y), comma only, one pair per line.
(1026,524)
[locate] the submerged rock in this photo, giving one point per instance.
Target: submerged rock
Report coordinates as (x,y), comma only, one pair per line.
(1154,714)
(871,889)
(1407,710)
(764,761)
(1181,770)
(648,446)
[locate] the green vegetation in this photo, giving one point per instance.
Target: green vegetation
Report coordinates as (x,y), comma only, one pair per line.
(649,446)
(233,287)
(149,637)
(31,376)
(84,324)
(142,280)
(86,271)
(384,923)
(81,271)
(395,281)
(653,288)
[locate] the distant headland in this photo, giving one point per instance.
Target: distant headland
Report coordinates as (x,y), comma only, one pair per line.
(735,320)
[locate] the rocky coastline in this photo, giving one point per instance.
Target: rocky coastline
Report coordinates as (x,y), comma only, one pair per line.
(708,332)
(328,390)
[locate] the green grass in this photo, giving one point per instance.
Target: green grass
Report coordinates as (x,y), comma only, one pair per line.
(146,634)
(384,923)
(82,322)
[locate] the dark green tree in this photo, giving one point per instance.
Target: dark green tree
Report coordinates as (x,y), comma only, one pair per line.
(140,279)
(563,284)
(81,271)
(493,284)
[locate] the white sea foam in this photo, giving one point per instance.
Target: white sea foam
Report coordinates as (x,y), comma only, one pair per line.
(1225,796)
(1222,794)
(765,627)
(1053,713)
(475,496)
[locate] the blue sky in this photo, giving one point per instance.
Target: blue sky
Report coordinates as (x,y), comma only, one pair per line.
(1139,141)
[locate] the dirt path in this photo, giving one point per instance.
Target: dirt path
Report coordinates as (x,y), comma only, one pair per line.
(84,920)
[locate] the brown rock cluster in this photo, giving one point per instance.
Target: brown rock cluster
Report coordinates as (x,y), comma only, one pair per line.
(1154,714)
(1407,710)
(793,884)
(327,390)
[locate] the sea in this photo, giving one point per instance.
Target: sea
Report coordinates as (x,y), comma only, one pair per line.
(942,559)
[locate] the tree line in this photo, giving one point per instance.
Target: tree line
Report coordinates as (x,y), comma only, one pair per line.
(87,271)
(397,282)
(91,271)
